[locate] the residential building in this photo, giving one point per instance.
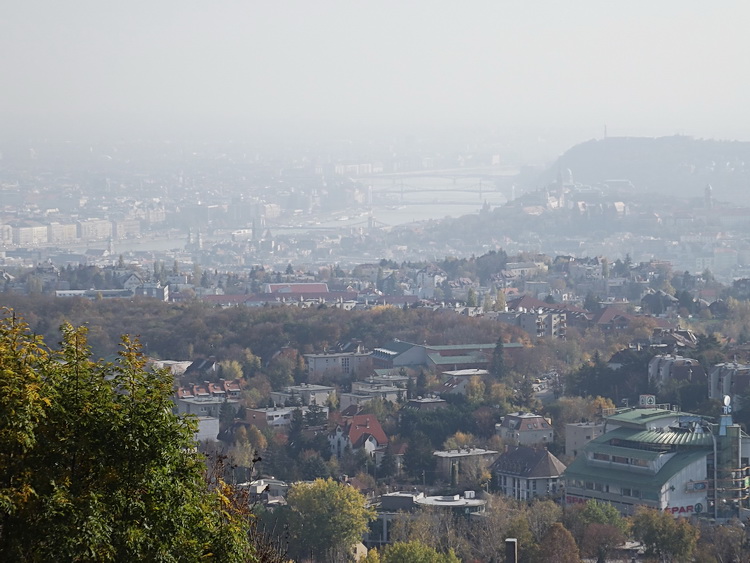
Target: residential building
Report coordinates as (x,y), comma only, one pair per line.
(205,399)
(362,431)
(304,394)
(62,232)
(29,233)
(339,363)
(539,324)
(665,368)
(525,428)
(426,404)
(153,291)
(524,473)
(730,379)
(276,418)
(208,428)
(391,505)
(94,229)
(364,392)
(452,464)
(578,434)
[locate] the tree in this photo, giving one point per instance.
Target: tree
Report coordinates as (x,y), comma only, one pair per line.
(388,466)
(500,301)
(315,416)
(600,539)
(497,365)
(327,517)
(475,390)
(94,465)
(541,515)
(471,298)
(415,552)
(667,537)
(419,462)
(591,303)
(230,369)
(226,414)
(558,545)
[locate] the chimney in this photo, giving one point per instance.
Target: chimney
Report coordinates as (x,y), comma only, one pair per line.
(511,550)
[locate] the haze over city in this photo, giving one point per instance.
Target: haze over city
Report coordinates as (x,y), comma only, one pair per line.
(544,75)
(378,282)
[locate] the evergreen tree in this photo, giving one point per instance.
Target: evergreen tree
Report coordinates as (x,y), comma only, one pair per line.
(497,365)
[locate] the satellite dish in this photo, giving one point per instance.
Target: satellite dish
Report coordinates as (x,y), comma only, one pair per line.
(727,400)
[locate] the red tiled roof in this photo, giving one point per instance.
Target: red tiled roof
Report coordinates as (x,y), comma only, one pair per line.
(360,427)
(609,314)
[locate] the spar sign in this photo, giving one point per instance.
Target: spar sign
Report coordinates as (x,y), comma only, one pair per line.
(696,508)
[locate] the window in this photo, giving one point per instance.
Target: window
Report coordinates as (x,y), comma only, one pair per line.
(639,462)
(601,457)
(625,492)
(620,459)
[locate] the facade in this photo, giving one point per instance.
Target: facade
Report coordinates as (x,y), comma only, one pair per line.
(153,291)
(393,504)
(667,460)
(344,363)
(730,379)
(94,229)
(364,392)
(305,394)
(524,473)
(578,434)
(208,428)
(525,429)
(427,280)
(451,464)
(538,324)
(426,404)
(205,399)
(30,233)
(439,358)
(662,369)
(62,232)
(275,418)
(362,431)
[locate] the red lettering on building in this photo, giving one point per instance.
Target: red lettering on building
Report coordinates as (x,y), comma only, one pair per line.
(680,509)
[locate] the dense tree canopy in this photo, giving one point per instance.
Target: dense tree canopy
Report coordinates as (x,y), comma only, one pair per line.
(179,331)
(327,517)
(95,467)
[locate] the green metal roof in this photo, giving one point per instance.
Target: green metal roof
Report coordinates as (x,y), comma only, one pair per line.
(447,347)
(655,437)
(626,452)
(672,438)
(643,416)
(642,480)
(439,360)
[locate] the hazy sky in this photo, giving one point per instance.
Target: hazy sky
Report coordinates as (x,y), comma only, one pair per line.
(651,67)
